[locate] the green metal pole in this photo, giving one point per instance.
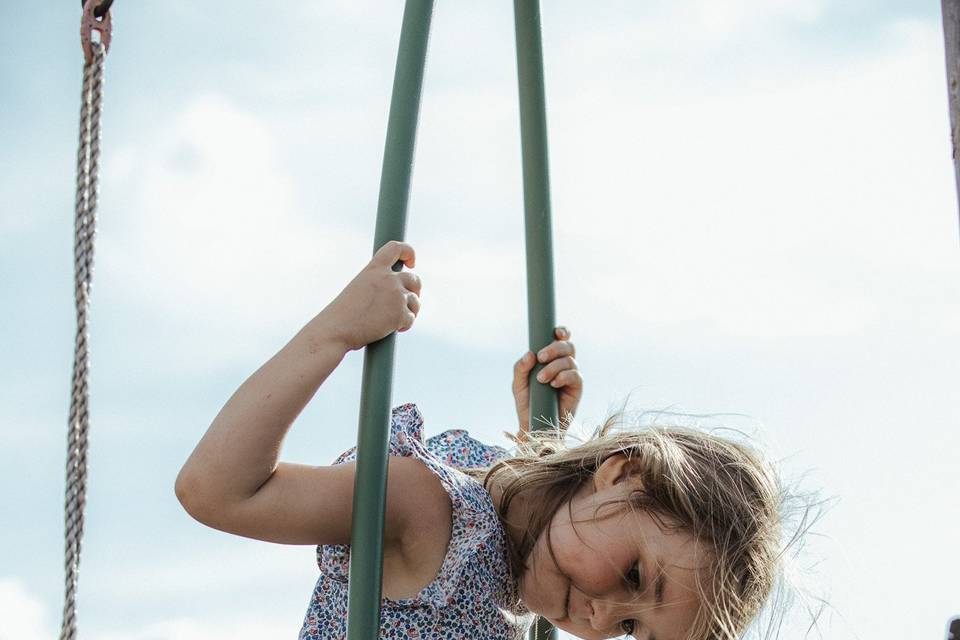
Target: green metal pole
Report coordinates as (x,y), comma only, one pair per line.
(536,204)
(370,488)
(536,200)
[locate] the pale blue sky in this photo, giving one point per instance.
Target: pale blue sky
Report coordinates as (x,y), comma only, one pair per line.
(754,215)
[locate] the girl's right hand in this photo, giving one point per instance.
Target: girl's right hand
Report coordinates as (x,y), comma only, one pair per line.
(378,301)
(561,372)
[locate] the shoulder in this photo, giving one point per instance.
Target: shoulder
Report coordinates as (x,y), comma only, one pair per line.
(418,494)
(415,485)
(426,521)
(456,448)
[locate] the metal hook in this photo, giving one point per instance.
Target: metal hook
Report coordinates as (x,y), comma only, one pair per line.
(92,22)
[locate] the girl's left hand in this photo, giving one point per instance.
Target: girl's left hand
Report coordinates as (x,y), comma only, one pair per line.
(560,372)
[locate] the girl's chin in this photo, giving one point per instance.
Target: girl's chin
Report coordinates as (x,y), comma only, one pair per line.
(558,612)
(563,614)
(556,617)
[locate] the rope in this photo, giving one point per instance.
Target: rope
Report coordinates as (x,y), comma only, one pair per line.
(88,158)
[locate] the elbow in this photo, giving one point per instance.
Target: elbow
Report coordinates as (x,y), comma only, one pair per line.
(180,489)
(199,500)
(187,491)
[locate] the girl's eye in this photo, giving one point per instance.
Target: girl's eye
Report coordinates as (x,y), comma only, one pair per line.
(634,575)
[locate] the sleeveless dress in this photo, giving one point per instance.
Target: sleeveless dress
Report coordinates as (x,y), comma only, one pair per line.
(473,595)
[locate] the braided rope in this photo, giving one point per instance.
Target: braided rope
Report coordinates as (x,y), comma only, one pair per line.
(88,158)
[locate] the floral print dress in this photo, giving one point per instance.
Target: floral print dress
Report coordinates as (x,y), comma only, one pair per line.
(473,595)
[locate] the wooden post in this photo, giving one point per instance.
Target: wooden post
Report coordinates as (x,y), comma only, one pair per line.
(951,40)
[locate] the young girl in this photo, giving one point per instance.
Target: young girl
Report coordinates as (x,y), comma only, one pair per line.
(662,534)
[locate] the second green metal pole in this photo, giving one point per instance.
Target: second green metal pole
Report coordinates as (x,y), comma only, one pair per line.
(370,487)
(541,307)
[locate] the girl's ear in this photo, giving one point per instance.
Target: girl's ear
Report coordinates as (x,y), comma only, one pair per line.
(613,471)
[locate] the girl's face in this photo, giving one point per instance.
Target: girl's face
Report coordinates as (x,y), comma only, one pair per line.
(621,575)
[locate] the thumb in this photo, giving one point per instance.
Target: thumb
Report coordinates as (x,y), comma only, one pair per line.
(395,251)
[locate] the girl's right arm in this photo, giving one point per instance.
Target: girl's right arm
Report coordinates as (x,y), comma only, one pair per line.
(233,480)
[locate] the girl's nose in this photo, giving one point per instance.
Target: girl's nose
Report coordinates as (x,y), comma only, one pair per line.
(604,616)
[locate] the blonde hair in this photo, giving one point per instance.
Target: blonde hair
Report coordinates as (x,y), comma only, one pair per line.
(719,491)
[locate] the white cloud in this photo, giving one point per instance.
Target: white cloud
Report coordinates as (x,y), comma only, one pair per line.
(726,18)
(24,615)
(216,241)
(212,237)
(810,208)
(678,32)
(817,205)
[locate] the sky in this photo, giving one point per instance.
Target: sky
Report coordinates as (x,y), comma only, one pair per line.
(755,219)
